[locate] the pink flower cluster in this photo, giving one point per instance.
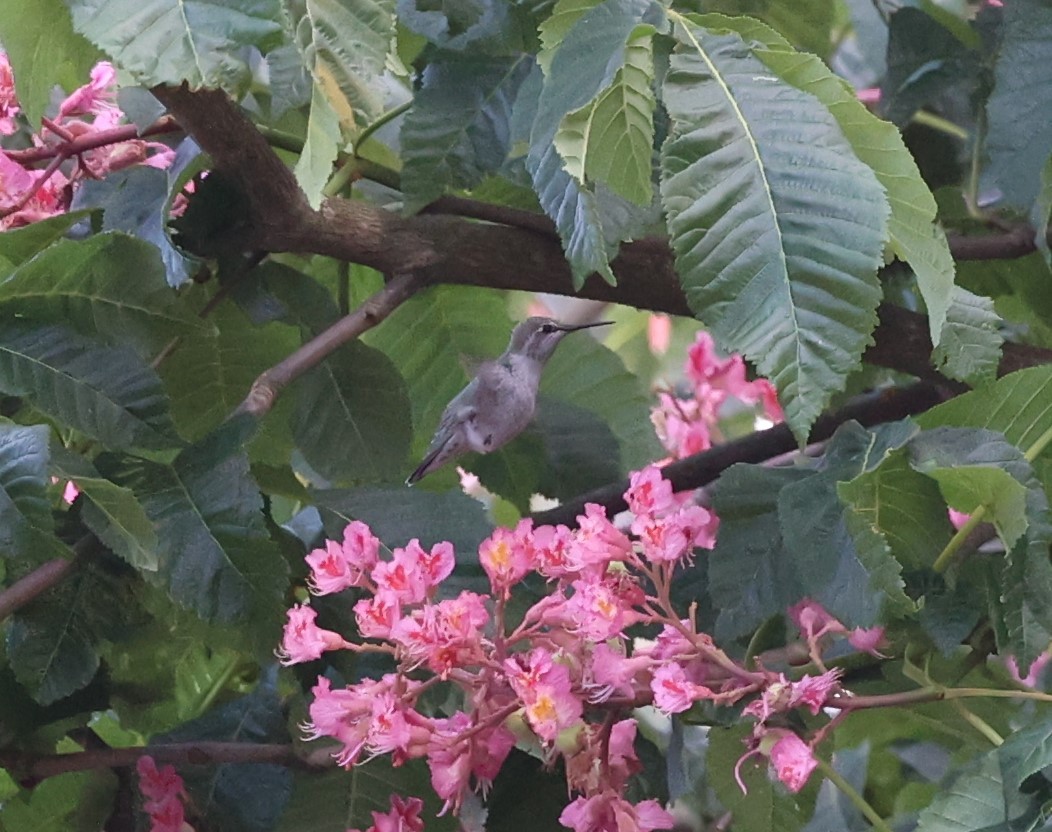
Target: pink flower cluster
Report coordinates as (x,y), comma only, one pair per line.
(28,195)
(560,677)
(163,794)
(687,426)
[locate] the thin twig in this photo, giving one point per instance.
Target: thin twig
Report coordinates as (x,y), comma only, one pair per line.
(91,141)
(271,382)
(44,577)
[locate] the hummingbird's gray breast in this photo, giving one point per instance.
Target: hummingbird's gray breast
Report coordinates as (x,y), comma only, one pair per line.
(505,399)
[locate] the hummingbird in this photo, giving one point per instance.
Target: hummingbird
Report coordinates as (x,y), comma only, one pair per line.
(499,402)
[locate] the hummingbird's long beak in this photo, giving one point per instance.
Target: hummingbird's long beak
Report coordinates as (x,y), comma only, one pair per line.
(575,327)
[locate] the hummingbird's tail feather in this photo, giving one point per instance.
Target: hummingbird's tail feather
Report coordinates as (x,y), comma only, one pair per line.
(433,460)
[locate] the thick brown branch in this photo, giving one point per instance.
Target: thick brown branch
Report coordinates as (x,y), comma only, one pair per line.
(271,382)
(449,249)
(701,469)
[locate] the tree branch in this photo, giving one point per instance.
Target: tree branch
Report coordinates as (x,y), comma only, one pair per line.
(204,753)
(270,383)
(705,467)
(93,140)
(447,249)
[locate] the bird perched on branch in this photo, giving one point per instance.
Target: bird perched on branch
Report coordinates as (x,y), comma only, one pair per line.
(500,401)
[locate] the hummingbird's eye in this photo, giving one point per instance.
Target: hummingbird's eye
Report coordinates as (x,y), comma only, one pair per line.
(549,328)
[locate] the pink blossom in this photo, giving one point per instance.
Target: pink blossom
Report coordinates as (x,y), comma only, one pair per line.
(680,426)
(8,97)
(545,690)
(404,816)
(813,691)
(612,672)
(596,612)
(775,698)
(793,760)
(958,518)
(377,615)
(551,551)
(867,640)
(331,571)
(674,537)
(405,575)
(365,716)
(361,548)
(1031,678)
(98,97)
(453,761)
(597,542)
(163,793)
(659,333)
(70,492)
(812,620)
(444,635)
(505,558)
(15,181)
(303,640)
(609,812)
(673,691)
(649,494)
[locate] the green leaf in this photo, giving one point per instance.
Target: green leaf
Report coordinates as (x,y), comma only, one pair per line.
(1019,405)
(903,506)
(808,24)
(1019,137)
(352,421)
(1041,213)
(459,127)
(584,65)
(975,800)
(323,142)
(751,576)
(397,515)
(70,802)
(486,26)
(110,286)
(239,796)
(26,526)
(110,511)
(913,235)
(611,139)
(209,376)
(138,201)
(345,44)
(1027,751)
(215,556)
(44,51)
(1024,608)
(552,31)
(764,806)
(970,345)
(760,258)
(843,562)
(106,392)
(52,643)
(587,375)
(202,42)
(334,801)
(19,244)
(966,488)
(925,60)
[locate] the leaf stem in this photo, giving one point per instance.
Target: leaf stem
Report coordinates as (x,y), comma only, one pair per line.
(386,118)
(852,794)
(941,124)
(955,543)
(979,724)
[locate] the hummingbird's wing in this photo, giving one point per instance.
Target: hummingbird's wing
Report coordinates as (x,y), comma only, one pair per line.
(450,436)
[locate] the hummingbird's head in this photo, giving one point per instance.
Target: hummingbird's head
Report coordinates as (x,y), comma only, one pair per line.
(537,338)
